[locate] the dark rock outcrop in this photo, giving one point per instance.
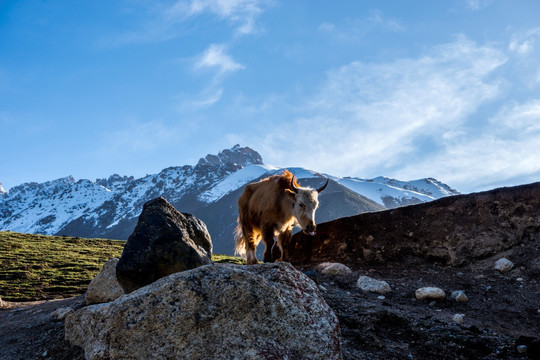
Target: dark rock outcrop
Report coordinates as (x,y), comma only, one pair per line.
(454,230)
(164,242)
(235,158)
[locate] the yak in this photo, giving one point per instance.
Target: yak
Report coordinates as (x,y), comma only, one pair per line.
(273,207)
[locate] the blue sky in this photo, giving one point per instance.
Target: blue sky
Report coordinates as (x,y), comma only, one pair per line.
(405,89)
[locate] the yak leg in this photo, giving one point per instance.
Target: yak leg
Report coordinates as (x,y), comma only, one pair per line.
(251,245)
(276,252)
(282,244)
(268,239)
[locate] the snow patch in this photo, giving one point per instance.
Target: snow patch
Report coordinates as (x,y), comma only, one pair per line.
(234,181)
(381,188)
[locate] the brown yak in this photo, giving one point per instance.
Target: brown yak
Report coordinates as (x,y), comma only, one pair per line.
(272,207)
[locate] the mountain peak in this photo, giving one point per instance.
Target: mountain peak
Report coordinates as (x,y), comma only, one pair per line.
(2,190)
(236,158)
(115,182)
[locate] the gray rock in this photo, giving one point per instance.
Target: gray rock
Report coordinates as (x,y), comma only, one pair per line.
(213,312)
(164,242)
(104,287)
(430,293)
(503,265)
(459,318)
(522,349)
(328,268)
(365,283)
(459,296)
(60,313)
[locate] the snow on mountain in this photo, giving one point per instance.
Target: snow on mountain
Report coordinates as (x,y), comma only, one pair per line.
(2,190)
(115,182)
(392,193)
(248,174)
(109,207)
(384,191)
(428,186)
(48,206)
(234,181)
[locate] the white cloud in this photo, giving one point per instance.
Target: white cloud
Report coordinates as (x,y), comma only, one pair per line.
(525,49)
(523,117)
(241,13)
(216,57)
(377,18)
(478,4)
(354,30)
(504,155)
(524,44)
(205,99)
(404,118)
(164,21)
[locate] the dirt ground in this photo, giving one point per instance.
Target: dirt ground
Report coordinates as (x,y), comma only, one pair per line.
(502,313)
(29,331)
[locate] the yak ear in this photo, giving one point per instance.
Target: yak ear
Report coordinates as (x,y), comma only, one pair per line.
(291,193)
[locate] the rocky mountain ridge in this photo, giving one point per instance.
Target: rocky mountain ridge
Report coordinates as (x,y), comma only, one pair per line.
(109,207)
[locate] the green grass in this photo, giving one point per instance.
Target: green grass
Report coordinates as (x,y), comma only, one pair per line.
(228,259)
(38,267)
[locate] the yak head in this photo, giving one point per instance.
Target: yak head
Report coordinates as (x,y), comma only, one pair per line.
(306,202)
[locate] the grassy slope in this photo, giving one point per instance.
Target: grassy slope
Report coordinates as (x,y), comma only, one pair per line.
(35,267)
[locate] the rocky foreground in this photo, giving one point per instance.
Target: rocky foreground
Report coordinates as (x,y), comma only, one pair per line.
(453,279)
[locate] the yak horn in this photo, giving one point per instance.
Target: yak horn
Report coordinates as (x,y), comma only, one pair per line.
(293,187)
(324,186)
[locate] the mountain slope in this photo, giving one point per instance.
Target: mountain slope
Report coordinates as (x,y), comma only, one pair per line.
(109,208)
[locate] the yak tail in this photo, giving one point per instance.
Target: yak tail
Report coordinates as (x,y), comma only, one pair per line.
(239,241)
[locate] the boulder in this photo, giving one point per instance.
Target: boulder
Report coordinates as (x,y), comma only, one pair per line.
(61,313)
(459,318)
(459,296)
(365,283)
(503,265)
(430,292)
(165,241)
(104,287)
(225,311)
(328,268)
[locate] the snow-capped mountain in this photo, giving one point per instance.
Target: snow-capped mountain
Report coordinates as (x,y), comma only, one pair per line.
(392,193)
(110,207)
